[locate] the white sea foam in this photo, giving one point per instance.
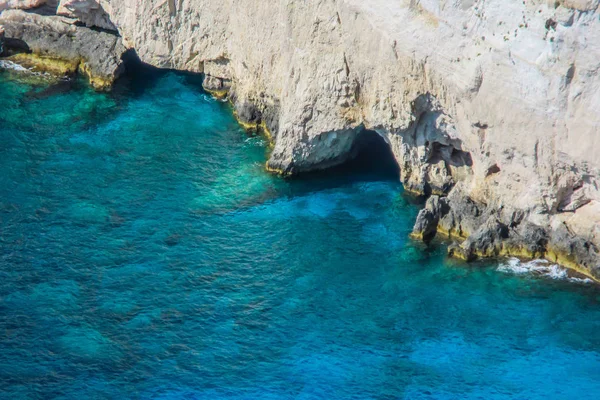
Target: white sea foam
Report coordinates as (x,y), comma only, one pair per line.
(13,66)
(539,268)
(6,64)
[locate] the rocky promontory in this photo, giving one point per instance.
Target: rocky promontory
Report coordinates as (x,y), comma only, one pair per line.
(491,108)
(61,45)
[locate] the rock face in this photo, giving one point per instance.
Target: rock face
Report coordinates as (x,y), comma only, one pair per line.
(61,47)
(88,12)
(1,41)
(429,217)
(20,4)
(493,104)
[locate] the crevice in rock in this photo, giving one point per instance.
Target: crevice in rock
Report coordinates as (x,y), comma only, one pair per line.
(429,151)
(14,46)
(570,75)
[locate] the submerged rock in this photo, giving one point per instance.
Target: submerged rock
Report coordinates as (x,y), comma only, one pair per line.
(89,345)
(429,217)
(49,44)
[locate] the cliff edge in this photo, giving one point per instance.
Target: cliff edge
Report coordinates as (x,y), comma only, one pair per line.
(491,107)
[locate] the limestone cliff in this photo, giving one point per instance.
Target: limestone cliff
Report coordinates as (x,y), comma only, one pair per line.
(492,104)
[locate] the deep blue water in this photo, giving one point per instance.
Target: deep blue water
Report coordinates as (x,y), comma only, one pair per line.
(145,253)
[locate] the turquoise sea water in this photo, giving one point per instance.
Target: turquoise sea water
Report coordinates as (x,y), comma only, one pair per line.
(145,253)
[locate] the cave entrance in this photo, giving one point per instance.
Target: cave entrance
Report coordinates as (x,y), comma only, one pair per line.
(373,158)
(139,77)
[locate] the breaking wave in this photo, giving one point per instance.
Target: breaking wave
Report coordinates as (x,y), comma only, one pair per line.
(539,268)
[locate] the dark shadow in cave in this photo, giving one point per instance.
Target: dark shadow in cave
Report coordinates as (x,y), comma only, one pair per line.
(372,160)
(139,76)
(373,157)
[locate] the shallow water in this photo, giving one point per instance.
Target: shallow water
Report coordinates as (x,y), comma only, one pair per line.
(145,253)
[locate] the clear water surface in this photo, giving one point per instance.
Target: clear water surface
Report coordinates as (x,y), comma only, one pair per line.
(145,253)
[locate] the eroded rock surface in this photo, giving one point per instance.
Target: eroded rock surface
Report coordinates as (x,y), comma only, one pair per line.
(88,12)
(20,4)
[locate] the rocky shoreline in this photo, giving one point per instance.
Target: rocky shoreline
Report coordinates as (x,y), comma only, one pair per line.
(491,108)
(62,46)
(484,231)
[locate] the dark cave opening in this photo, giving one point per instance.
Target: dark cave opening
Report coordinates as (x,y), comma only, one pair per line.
(371,158)
(139,76)
(374,156)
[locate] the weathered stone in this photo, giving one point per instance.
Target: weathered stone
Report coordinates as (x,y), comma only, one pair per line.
(1,41)
(61,47)
(487,241)
(527,240)
(88,12)
(425,226)
(20,4)
(572,251)
(464,216)
(428,219)
(581,5)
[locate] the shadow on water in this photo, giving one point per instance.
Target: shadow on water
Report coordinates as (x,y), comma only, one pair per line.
(140,77)
(373,160)
(60,87)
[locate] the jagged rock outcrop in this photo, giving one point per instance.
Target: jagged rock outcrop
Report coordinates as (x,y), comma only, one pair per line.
(493,104)
(88,12)
(51,43)
(491,230)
